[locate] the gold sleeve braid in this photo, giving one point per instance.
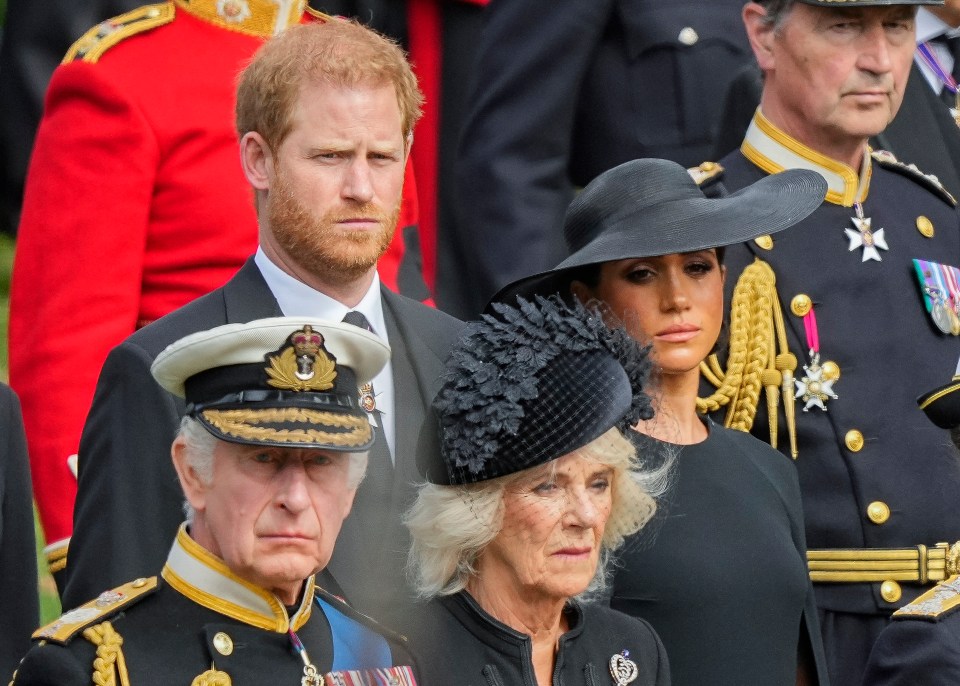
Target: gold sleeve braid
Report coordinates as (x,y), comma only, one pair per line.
(109,667)
(758,358)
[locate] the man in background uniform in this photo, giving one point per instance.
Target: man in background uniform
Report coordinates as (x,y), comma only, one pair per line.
(869,316)
(268,457)
(563,92)
(925,131)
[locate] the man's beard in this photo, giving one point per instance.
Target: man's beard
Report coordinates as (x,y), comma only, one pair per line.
(318,244)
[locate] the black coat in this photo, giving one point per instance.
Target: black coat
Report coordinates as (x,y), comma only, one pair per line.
(19,611)
(563,92)
(129,501)
(742,608)
(455,642)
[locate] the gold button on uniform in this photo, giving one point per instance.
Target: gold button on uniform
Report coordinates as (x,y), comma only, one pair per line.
(764,242)
(890,591)
(854,441)
(878,512)
(139,583)
(688,36)
(223,643)
(801,304)
(925,226)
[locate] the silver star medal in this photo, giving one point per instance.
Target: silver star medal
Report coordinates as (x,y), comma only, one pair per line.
(865,237)
(623,670)
(812,388)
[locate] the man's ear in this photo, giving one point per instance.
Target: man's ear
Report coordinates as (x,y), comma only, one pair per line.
(760,33)
(256,158)
(194,488)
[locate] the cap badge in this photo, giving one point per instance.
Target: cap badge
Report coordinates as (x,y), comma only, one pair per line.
(303,364)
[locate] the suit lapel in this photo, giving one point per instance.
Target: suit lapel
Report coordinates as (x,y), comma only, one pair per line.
(247,297)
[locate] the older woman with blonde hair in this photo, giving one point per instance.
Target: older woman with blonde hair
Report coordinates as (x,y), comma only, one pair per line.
(531,489)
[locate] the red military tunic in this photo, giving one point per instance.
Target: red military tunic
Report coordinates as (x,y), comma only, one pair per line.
(135,204)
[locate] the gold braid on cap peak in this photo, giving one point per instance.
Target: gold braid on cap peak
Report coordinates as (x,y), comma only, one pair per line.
(758,358)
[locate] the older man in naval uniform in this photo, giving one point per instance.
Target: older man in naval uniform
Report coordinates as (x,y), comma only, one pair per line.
(269,456)
(865,329)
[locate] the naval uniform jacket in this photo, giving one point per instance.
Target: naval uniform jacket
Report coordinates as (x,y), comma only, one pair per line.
(201,624)
(874,471)
(922,643)
(454,641)
(135,205)
(129,501)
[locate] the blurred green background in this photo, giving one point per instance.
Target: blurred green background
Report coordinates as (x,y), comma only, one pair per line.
(49,604)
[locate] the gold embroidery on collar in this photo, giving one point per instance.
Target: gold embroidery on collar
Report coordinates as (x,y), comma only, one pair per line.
(262,18)
(242,423)
(279,622)
(855,187)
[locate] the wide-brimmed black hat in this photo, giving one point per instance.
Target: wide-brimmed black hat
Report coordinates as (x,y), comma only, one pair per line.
(650,207)
(283,381)
(527,385)
(865,3)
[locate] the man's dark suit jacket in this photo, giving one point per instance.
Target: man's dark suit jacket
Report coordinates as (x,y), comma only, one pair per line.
(129,503)
(923,132)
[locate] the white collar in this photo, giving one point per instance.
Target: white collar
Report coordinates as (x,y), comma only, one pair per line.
(205,579)
(298,299)
(773,151)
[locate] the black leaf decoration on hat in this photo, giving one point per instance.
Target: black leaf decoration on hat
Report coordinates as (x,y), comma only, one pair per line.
(493,371)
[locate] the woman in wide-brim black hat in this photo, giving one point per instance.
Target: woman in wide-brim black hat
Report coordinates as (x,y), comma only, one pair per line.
(725,582)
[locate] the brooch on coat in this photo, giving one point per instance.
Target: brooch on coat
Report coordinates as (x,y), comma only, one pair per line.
(623,670)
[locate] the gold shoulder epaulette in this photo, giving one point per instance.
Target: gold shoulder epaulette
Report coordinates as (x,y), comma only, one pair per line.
(705,172)
(91,45)
(936,603)
(317,15)
(888,160)
(106,604)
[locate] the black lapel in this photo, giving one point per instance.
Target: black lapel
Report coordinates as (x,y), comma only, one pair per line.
(247,297)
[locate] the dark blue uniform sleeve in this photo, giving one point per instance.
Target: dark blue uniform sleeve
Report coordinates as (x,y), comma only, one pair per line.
(911,652)
(19,611)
